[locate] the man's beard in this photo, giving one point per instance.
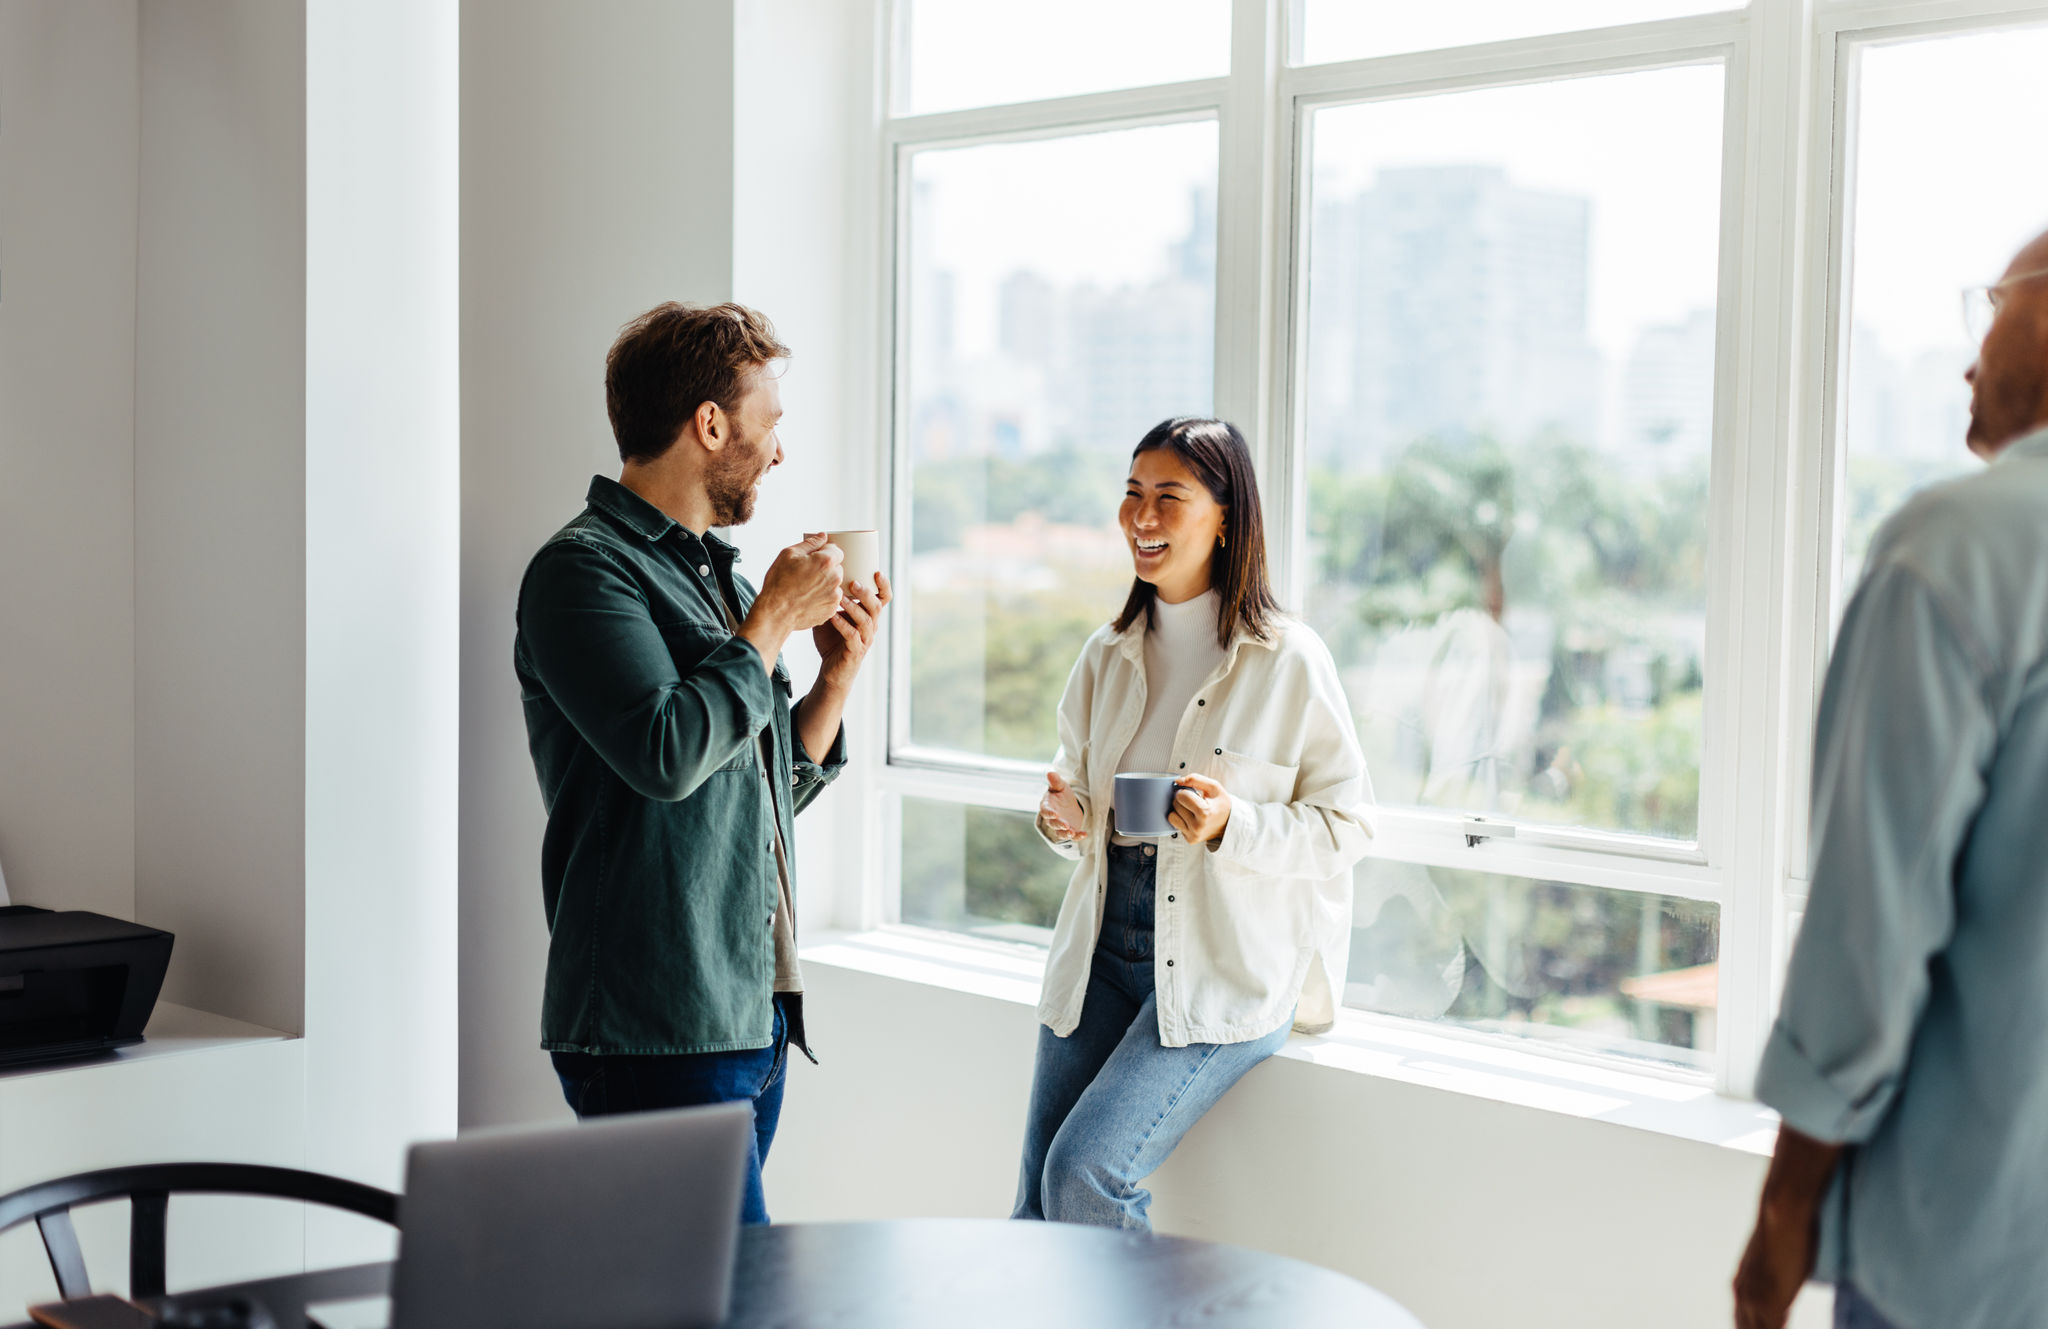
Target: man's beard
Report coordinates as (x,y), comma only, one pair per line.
(729,482)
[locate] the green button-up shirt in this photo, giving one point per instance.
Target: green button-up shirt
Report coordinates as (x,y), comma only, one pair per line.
(643,714)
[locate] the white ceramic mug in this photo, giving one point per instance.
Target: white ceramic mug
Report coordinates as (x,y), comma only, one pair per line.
(863,550)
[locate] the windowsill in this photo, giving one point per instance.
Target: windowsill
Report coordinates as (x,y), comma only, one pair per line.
(172,1031)
(1407,1051)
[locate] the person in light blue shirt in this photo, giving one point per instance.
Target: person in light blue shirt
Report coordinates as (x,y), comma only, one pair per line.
(1909,1060)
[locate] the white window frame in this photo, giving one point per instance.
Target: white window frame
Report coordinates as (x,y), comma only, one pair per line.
(1776,454)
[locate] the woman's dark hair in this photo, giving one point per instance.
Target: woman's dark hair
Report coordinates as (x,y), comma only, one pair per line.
(1218,455)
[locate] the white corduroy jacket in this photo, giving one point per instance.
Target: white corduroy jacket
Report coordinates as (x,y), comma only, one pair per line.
(1257,923)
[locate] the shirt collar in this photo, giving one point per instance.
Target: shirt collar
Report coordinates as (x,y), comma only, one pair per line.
(2026,445)
(642,518)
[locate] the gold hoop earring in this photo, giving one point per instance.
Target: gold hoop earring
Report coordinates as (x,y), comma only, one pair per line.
(1221,543)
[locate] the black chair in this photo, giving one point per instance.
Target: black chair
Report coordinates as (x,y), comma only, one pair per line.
(148,1189)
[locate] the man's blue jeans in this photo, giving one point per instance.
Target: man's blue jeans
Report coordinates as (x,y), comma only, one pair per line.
(603,1086)
(1108,1104)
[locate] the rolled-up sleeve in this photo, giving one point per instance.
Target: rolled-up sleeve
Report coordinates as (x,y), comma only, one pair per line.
(811,777)
(1905,737)
(593,644)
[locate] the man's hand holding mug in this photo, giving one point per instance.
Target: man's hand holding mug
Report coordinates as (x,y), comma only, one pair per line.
(802,590)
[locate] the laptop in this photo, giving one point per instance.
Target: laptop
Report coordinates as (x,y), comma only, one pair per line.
(628,1222)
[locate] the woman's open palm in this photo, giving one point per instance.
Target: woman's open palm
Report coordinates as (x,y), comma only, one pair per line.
(1060,810)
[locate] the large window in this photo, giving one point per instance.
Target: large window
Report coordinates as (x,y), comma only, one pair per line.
(1509,382)
(1582,344)
(1061,299)
(1355,29)
(963,53)
(1938,205)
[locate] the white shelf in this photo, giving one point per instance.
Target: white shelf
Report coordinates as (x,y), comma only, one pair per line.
(172,1031)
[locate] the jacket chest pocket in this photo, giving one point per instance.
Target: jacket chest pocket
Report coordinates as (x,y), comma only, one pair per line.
(689,640)
(1254,779)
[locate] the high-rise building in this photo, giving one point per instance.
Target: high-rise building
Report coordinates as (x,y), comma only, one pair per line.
(1667,392)
(1447,301)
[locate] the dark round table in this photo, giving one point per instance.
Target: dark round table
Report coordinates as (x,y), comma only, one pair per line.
(968,1273)
(922,1273)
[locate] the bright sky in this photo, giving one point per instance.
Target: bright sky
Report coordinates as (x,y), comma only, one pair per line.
(1099,208)
(1056,48)
(1353,29)
(1948,178)
(1645,148)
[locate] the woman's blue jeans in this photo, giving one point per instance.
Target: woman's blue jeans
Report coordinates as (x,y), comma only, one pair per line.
(1108,1104)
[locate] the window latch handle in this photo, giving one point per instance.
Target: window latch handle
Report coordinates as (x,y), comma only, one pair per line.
(1478,829)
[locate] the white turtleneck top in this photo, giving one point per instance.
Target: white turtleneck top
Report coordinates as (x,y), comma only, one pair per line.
(1180,653)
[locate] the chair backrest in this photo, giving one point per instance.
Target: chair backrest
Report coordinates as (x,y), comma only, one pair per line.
(149,1188)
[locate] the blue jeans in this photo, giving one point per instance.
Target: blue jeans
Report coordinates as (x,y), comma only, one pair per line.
(1853,1312)
(603,1086)
(1108,1104)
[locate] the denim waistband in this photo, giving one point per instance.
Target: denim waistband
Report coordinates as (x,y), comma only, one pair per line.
(1128,906)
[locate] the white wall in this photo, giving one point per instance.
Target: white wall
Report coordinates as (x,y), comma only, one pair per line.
(613,158)
(802,247)
(220,511)
(228,704)
(597,181)
(1474,1214)
(68,134)
(382,567)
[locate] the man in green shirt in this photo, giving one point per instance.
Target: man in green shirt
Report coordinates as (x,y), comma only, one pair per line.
(671,761)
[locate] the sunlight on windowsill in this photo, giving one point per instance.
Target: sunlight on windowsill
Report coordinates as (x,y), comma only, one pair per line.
(1407,1051)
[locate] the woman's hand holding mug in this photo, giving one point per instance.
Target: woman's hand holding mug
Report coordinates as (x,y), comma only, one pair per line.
(1200,810)
(1060,810)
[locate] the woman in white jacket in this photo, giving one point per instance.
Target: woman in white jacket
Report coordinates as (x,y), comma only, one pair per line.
(1178,965)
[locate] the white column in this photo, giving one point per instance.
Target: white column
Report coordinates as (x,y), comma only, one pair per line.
(383,510)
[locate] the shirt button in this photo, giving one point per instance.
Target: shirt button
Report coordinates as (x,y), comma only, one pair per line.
(1198,703)
(704,570)
(1169,964)
(1169,899)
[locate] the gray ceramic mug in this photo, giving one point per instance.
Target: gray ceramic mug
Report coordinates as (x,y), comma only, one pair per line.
(1142,802)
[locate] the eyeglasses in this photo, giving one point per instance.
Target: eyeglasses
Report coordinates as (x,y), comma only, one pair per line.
(1980,303)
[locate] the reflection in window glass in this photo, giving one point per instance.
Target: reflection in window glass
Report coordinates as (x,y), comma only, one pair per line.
(1615,971)
(1062,301)
(1356,29)
(965,53)
(1921,145)
(1509,419)
(979,870)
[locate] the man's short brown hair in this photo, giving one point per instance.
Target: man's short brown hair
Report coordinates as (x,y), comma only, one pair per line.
(674,358)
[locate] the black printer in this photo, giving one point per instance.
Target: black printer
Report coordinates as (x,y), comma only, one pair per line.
(74,983)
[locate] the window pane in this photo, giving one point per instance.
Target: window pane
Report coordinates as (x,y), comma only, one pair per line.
(1509,413)
(1062,302)
(1355,29)
(966,53)
(979,870)
(1610,970)
(1921,146)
